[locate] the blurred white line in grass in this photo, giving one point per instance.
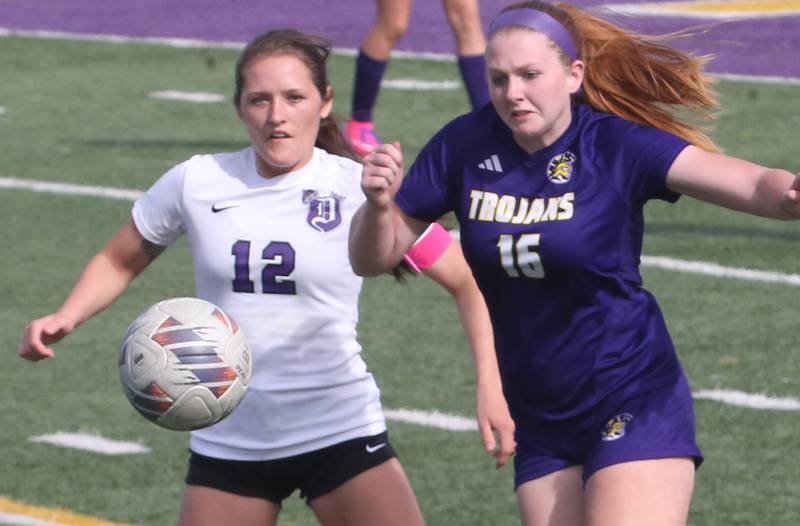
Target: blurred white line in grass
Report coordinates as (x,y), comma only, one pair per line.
(422,85)
(2,110)
(70,189)
(718,10)
(21,514)
(435,419)
(21,520)
(760,79)
(91,442)
(199,97)
(713,269)
(742,399)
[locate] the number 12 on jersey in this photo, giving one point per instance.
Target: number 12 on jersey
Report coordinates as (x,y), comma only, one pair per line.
(520,257)
(278,257)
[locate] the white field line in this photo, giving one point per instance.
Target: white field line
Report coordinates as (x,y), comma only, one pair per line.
(685,10)
(202,97)
(14,519)
(70,189)
(421,85)
(780,81)
(345,52)
(91,442)
(22,514)
(435,419)
(187,96)
(2,110)
(119,39)
(755,401)
(713,269)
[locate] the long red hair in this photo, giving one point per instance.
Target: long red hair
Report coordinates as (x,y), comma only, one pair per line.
(637,77)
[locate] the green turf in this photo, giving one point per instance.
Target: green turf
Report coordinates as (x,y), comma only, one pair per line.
(77,112)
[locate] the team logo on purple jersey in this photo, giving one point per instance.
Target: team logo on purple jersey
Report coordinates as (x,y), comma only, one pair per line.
(560,167)
(615,428)
(324,211)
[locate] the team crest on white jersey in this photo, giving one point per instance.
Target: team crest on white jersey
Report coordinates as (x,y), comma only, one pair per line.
(615,428)
(324,211)
(560,167)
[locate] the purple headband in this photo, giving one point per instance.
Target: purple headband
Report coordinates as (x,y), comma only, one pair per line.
(538,21)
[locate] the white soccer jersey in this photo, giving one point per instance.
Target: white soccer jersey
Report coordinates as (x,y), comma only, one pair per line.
(272,253)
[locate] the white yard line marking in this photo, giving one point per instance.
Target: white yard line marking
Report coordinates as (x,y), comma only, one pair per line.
(399,84)
(435,419)
(70,189)
(713,269)
(742,399)
(729,10)
(187,96)
(2,110)
(780,81)
(20,514)
(345,52)
(120,39)
(22,520)
(91,442)
(422,85)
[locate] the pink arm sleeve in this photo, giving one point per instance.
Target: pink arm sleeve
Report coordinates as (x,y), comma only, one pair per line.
(427,249)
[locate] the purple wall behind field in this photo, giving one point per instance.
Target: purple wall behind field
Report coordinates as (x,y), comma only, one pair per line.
(766,46)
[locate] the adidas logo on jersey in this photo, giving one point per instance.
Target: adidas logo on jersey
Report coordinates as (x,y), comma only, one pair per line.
(492,164)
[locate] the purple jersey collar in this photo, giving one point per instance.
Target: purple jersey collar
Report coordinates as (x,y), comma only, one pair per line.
(538,21)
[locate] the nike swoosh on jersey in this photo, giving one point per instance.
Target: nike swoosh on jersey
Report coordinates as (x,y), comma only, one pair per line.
(373,449)
(215,208)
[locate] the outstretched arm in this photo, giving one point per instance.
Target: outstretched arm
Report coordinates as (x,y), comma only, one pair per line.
(449,269)
(735,184)
(103,279)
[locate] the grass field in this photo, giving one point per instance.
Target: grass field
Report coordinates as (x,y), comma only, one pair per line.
(78,112)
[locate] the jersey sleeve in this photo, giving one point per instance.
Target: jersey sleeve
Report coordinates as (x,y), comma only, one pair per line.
(428,248)
(647,155)
(158,214)
(425,191)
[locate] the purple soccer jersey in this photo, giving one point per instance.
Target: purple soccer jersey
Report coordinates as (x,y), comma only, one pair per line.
(554,239)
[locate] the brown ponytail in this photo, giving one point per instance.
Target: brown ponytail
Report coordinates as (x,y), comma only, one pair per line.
(638,77)
(331,140)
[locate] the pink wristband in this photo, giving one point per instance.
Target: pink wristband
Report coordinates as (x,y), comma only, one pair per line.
(428,248)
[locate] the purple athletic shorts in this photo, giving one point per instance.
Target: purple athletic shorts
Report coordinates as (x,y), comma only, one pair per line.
(656,424)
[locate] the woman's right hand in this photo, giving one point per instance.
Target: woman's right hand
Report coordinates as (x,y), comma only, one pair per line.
(382,174)
(42,332)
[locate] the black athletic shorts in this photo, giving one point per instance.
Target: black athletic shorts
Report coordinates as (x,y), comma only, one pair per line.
(314,474)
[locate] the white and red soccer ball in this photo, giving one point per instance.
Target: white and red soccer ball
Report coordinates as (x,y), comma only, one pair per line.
(184,364)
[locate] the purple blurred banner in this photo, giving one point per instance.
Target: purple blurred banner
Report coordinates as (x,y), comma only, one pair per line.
(755,46)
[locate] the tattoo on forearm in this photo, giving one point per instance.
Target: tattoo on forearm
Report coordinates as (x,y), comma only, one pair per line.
(151,249)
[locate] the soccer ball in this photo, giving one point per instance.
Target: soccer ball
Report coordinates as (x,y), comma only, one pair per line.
(184,364)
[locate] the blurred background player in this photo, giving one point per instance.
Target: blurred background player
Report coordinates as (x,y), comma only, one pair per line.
(391,23)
